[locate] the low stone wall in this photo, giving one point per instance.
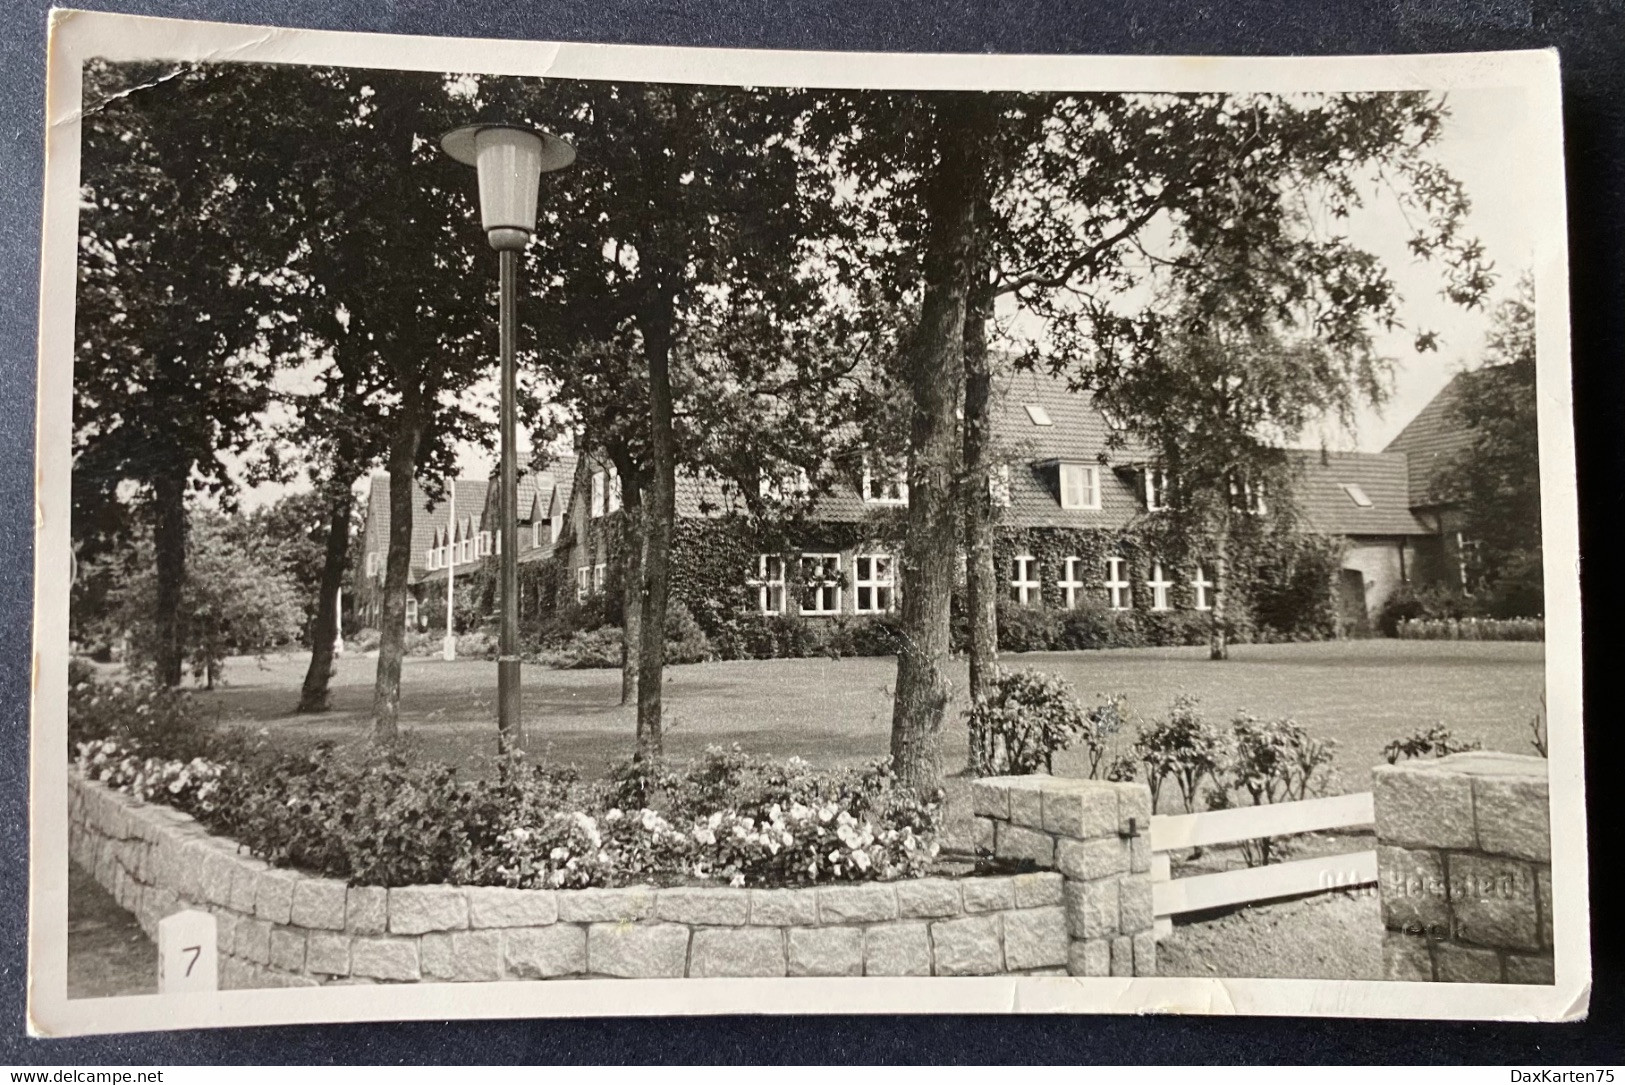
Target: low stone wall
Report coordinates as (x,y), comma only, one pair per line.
(278,928)
(1098,835)
(1464,868)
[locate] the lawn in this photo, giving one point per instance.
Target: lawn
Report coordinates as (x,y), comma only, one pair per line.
(1360,693)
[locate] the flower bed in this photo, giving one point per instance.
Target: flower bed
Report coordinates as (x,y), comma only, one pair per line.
(375,817)
(1471,629)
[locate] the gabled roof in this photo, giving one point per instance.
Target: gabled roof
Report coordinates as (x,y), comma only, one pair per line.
(426,519)
(1331,486)
(1432,441)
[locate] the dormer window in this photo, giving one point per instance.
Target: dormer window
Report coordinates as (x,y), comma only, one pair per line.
(1080,486)
(1156,489)
(784,487)
(1038,415)
(885,482)
(599,494)
(614,497)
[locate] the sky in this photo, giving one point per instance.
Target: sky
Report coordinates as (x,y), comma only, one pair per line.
(1483,143)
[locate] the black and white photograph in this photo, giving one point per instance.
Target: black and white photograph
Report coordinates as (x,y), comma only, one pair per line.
(538,530)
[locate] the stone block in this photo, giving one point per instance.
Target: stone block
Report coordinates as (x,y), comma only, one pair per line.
(826,951)
(219,868)
(245,880)
(989,798)
(982,835)
(988,894)
(225,930)
(498,907)
(1027,801)
(1133,809)
(1406,957)
(1455,963)
(967,947)
(1543,893)
(606,905)
(1419,806)
(366,909)
(273,895)
(1513,817)
(462,956)
(1035,938)
(1089,957)
(1089,860)
(704,907)
(252,941)
(287,949)
(420,909)
(284,979)
(897,949)
(545,952)
(1413,888)
(1012,841)
(319,903)
(237,974)
(1145,953)
(1091,908)
(1139,854)
(1134,904)
(327,953)
(1493,902)
(1122,956)
(385,958)
(1531,968)
(638,952)
(857,903)
(743,951)
(928,898)
(1037,890)
(1080,809)
(783,907)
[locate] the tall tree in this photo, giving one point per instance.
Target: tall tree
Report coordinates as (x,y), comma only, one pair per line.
(1496,481)
(178,328)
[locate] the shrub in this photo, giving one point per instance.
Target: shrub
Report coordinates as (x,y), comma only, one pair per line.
(1183,747)
(1410,604)
(1272,761)
(142,717)
(363,640)
(1524,629)
(686,642)
(1028,628)
(585,650)
(1020,722)
(1436,741)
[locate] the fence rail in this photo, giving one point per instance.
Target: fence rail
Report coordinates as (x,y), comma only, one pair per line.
(1176,896)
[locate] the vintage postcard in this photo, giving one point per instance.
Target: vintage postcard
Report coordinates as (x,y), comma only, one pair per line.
(537,529)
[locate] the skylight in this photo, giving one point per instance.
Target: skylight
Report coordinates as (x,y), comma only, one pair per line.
(1357,495)
(1039,415)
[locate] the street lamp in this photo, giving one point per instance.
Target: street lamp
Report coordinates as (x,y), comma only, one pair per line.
(510,161)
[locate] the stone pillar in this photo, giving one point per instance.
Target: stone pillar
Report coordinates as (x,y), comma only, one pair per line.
(1098,835)
(1464,868)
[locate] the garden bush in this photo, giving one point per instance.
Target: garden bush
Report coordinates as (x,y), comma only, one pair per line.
(1436,741)
(1522,629)
(686,642)
(1271,761)
(1028,629)
(1183,747)
(363,640)
(144,718)
(1022,719)
(1426,604)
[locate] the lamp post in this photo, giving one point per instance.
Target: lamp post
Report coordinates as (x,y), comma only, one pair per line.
(510,161)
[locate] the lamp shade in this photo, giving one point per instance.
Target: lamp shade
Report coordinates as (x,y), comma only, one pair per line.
(510,161)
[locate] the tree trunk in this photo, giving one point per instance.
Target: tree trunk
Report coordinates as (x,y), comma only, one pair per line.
(386,696)
(1218,645)
(981,578)
(658,517)
(631,583)
(313,696)
(169,547)
(937,360)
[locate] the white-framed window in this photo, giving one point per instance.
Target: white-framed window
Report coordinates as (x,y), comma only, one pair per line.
(1202,588)
(820,584)
(1117,586)
(885,482)
(998,485)
(583,583)
(484,547)
(465,549)
(1038,415)
(555,527)
(372,563)
(1467,551)
(535,533)
(429,558)
(614,496)
(769,583)
(1248,497)
(496,543)
(874,581)
(411,612)
(1156,489)
(1080,486)
(1159,585)
(599,489)
(1072,581)
(598,578)
(1024,584)
(796,483)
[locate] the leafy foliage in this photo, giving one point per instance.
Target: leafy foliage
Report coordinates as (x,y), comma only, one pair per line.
(1183,747)
(1272,761)
(1026,716)
(1436,741)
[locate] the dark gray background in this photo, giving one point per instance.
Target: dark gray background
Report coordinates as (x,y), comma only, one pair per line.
(1591,37)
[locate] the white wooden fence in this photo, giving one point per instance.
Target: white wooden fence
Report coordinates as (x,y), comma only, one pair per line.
(1171,897)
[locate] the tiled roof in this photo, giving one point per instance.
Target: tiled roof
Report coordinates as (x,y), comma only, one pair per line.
(1432,441)
(1329,484)
(426,518)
